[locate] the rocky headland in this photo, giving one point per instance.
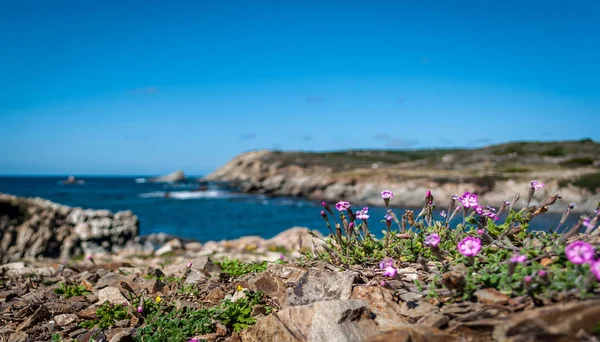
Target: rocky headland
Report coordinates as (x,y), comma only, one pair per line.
(495,173)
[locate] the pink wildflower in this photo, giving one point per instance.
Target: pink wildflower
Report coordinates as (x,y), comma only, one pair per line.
(140,309)
(527,279)
(385,263)
(342,205)
(390,272)
(387,194)
(443,214)
(189,264)
(432,240)
(480,231)
(469,246)
(362,214)
(595,268)
(537,184)
(518,258)
(579,252)
(468,200)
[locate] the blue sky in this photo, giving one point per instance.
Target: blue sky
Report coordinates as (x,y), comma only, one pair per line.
(145,87)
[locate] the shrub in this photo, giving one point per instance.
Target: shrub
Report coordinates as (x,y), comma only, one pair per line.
(590,182)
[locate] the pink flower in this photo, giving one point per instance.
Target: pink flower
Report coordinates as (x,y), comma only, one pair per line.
(443,214)
(390,272)
(387,194)
(595,268)
(518,258)
(385,263)
(579,252)
(480,231)
(281,257)
(432,240)
(428,194)
(490,214)
(189,264)
(342,205)
(362,214)
(527,279)
(89,257)
(537,184)
(193,340)
(468,200)
(587,223)
(140,309)
(542,273)
(469,246)
(388,218)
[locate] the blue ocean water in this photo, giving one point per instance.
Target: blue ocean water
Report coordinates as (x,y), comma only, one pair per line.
(213,214)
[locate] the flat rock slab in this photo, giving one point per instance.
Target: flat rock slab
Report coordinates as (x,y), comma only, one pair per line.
(112,295)
(327,321)
(318,285)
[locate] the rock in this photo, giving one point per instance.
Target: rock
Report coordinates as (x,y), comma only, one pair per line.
(193,246)
(195,277)
(416,310)
(434,320)
(65,319)
(176,176)
(335,320)
(152,285)
(268,284)
(112,295)
(318,285)
(164,250)
(491,296)
(204,263)
(124,335)
(293,239)
(287,274)
(381,303)
(414,333)
(342,320)
(34,227)
(18,337)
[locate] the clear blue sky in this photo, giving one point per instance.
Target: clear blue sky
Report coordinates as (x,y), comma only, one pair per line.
(145,87)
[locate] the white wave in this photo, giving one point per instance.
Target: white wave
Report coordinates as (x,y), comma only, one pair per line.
(140,180)
(184,195)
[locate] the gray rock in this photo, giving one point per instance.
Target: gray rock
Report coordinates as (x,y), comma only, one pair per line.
(204,263)
(194,277)
(336,320)
(416,310)
(18,337)
(112,295)
(65,319)
(318,285)
(33,227)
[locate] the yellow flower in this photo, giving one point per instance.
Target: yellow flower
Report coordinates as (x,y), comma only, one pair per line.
(240,288)
(158,299)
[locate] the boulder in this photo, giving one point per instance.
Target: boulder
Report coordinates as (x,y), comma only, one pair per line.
(34,227)
(320,285)
(176,176)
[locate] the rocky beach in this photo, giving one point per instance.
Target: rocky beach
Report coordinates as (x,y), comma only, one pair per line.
(70,274)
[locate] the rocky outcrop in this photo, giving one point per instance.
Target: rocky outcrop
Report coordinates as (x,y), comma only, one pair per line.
(316,177)
(34,227)
(176,176)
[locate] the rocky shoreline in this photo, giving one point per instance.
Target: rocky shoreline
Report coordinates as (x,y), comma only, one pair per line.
(314,177)
(161,288)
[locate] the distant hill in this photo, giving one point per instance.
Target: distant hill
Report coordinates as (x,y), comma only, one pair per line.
(571,168)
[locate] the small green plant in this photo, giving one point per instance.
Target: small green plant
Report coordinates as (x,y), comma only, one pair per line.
(189,289)
(164,279)
(106,316)
(236,268)
(164,322)
(68,291)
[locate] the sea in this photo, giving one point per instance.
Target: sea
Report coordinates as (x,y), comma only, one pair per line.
(215,213)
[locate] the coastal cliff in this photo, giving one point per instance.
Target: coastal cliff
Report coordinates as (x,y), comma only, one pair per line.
(496,173)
